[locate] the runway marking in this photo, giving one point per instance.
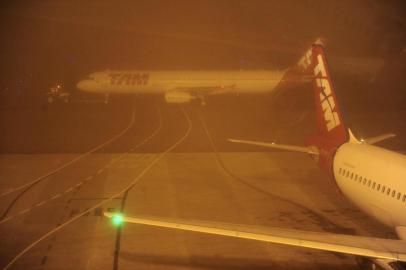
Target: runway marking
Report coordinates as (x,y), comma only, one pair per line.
(23,211)
(7,219)
(79,184)
(113,161)
(155,160)
(63,166)
(40,203)
(6,192)
(90,177)
(56,196)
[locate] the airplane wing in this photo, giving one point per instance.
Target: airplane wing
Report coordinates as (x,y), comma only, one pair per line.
(349,244)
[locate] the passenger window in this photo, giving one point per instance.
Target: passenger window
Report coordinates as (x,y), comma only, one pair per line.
(352,175)
(393,193)
(356,176)
(347,174)
(373,185)
(404,198)
(383,189)
(388,191)
(339,171)
(369,183)
(360,178)
(378,187)
(365,181)
(399,195)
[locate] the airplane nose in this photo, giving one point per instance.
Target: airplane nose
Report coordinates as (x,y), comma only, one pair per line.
(85,85)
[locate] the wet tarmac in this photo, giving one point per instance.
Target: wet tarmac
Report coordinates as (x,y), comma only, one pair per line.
(62,165)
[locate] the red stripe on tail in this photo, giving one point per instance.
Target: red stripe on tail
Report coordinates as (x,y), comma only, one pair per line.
(329,119)
(331,129)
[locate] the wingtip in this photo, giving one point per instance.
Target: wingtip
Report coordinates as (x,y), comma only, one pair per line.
(233,140)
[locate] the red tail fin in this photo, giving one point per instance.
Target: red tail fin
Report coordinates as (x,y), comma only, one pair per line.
(300,72)
(329,118)
(331,129)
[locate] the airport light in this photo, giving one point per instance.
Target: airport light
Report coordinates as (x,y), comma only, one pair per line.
(117,219)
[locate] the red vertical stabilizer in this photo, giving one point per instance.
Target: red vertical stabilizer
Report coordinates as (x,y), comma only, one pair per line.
(331,129)
(300,72)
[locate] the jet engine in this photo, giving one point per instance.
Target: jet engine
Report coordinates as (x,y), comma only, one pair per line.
(178,97)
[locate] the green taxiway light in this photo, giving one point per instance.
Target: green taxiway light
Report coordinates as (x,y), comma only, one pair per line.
(117,219)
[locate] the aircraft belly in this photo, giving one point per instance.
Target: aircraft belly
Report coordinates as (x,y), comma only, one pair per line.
(130,89)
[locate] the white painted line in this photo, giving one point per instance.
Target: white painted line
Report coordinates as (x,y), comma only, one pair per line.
(40,203)
(79,184)
(69,189)
(89,178)
(156,159)
(23,211)
(7,219)
(56,196)
(38,179)
(6,192)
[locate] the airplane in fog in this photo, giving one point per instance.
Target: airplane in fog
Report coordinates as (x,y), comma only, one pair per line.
(186,86)
(373,178)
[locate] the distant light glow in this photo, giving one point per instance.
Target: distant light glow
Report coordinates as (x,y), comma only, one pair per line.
(117,219)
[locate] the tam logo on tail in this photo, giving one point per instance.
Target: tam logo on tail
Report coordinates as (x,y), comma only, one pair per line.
(327,99)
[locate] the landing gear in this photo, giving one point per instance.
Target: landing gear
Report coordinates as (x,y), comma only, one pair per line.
(379,264)
(106,99)
(201,99)
(366,264)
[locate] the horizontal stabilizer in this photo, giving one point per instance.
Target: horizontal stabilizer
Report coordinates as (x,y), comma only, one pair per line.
(293,148)
(379,138)
(348,244)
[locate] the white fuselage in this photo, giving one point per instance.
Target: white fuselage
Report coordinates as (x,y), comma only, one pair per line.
(374,179)
(203,82)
